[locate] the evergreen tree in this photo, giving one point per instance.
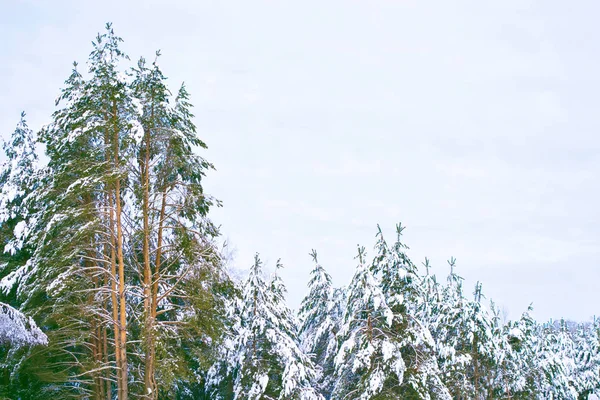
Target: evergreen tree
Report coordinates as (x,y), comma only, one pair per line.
(265,360)
(78,266)
(403,288)
(586,371)
(526,371)
(113,249)
(481,344)
(452,341)
(429,310)
(385,351)
(370,356)
(320,321)
(18,179)
(169,214)
(560,349)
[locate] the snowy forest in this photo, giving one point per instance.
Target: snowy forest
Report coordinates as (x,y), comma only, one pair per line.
(114,285)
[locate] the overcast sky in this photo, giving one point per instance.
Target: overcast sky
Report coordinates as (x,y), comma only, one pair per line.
(476,124)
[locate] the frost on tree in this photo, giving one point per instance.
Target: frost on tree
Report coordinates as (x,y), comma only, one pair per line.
(17,329)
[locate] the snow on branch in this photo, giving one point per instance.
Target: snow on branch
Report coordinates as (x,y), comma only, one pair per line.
(18,329)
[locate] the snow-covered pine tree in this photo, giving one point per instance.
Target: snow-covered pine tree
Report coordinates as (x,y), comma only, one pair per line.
(68,284)
(498,379)
(450,333)
(18,179)
(468,346)
(586,371)
(385,351)
(405,293)
(429,309)
(526,369)
(264,359)
(319,316)
(369,360)
(119,247)
(169,214)
(17,176)
(559,348)
(151,123)
(571,359)
(482,344)
(516,373)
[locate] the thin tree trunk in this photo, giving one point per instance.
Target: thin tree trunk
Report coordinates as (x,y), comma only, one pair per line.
(96,350)
(150,391)
(254,329)
(154,296)
(94,339)
(476,368)
(96,345)
(114,298)
(121,270)
(103,328)
(122,308)
(107,372)
(110,248)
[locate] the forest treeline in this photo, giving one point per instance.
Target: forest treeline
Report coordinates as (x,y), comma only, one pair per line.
(108,247)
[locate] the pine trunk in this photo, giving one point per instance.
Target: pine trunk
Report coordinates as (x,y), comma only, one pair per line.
(95,341)
(150,389)
(122,306)
(154,292)
(122,332)
(110,252)
(113,294)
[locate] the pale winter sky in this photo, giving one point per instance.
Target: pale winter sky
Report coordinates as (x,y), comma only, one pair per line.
(473,123)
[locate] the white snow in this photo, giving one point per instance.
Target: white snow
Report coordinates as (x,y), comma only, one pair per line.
(18,329)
